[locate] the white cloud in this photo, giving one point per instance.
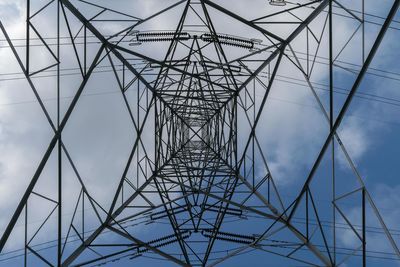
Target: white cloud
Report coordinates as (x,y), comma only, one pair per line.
(291,130)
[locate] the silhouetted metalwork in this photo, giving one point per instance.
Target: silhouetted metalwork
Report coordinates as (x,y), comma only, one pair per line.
(202,101)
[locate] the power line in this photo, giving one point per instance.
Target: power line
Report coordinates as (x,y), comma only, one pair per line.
(286,79)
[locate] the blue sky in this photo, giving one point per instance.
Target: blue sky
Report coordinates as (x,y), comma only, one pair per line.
(292,130)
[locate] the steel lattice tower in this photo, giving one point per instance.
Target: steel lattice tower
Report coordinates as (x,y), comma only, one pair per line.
(195,78)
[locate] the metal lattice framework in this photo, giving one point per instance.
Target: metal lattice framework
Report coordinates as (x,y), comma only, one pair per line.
(197,178)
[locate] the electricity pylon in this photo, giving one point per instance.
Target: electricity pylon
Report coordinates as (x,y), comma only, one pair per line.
(195,78)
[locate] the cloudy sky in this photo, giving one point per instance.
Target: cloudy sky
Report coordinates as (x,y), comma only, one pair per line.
(100,134)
